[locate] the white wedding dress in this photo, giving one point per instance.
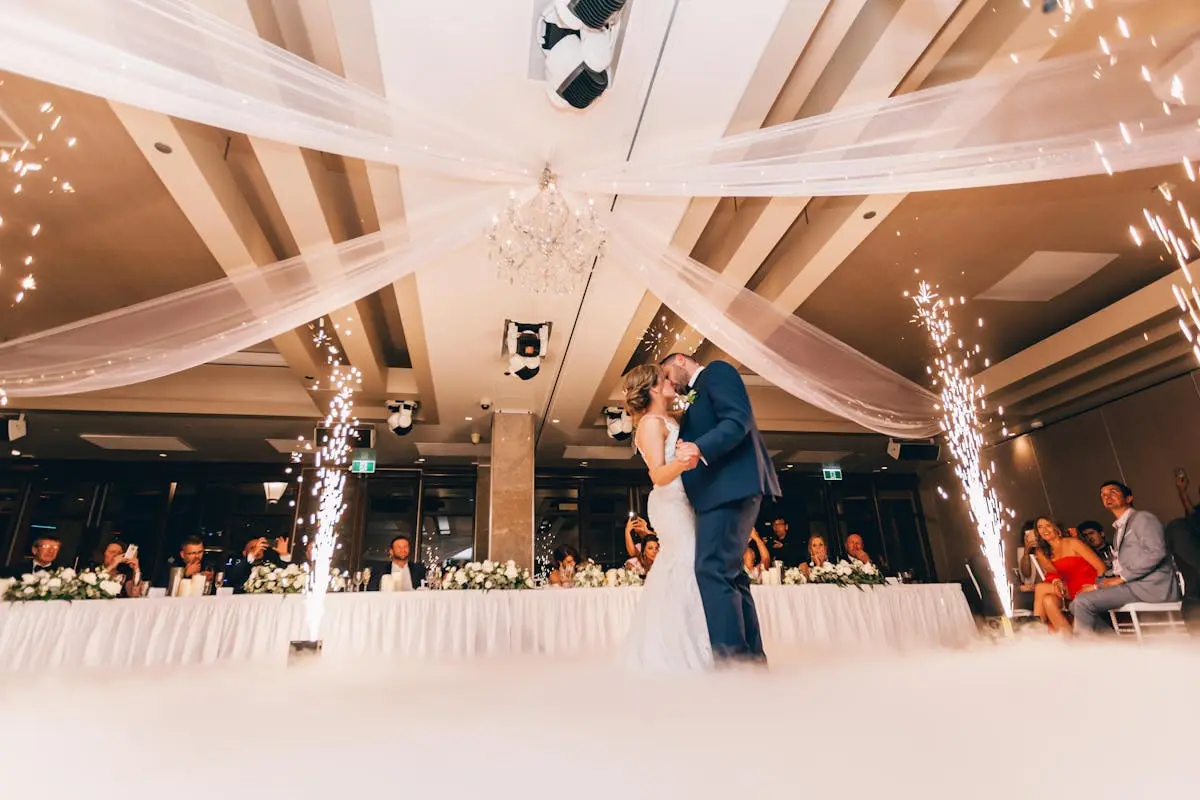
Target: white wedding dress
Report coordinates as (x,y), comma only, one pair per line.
(669,630)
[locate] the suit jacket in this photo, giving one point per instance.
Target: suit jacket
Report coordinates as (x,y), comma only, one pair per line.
(1146,564)
(415,571)
(237,570)
(721,423)
(22,567)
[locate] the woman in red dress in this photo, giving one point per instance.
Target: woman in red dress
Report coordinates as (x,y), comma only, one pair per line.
(1070,565)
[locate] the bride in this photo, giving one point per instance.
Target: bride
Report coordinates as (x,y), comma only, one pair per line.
(669,630)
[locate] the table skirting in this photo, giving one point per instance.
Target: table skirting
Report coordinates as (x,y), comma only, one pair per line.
(449,624)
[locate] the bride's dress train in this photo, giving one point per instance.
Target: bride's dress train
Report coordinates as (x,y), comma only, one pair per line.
(669,631)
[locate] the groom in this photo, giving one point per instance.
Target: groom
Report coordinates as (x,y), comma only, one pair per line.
(729,471)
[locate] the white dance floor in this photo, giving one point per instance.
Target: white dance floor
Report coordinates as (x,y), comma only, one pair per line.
(440,625)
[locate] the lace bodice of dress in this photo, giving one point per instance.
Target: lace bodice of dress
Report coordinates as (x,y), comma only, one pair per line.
(669,444)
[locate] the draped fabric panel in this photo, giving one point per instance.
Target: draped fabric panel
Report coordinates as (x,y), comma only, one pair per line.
(448,625)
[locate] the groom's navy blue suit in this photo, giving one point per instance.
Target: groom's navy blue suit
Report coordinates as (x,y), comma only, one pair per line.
(726,493)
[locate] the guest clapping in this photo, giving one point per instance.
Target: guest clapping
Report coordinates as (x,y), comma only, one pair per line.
(564,558)
(644,560)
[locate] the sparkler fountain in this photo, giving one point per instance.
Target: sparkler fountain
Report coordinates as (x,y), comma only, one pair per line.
(961,403)
(331,459)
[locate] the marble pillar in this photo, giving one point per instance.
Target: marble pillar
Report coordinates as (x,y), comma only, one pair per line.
(483,511)
(510,525)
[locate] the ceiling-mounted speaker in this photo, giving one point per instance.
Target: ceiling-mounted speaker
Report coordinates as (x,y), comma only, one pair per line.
(914,450)
(593,14)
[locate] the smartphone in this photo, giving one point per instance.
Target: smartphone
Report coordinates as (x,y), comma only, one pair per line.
(1181,474)
(632,515)
(131,552)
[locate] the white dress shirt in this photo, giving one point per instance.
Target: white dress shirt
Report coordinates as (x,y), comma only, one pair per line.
(1120,524)
(695,376)
(401,578)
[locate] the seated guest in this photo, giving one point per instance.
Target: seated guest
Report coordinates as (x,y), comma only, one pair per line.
(1070,566)
(564,560)
(636,532)
(255,552)
(818,554)
(757,557)
(406,574)
(1183,539)
(1027,569)
(1092,534)
(127,570)
(191,557)
(855,549)
(1143,568)
(44,553)
(783,549)
(644,560)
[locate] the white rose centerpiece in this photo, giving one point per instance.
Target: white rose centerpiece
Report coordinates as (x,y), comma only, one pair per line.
(486,576)
(589,575)
(623,577)
(64,584)
(289,579)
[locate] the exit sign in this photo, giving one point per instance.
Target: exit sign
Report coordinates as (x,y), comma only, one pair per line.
(363,461)
(831,473)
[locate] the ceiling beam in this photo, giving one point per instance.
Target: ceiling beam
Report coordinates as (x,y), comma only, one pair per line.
(776,74)
(197,177)
(800,270)
(297,179)
(1123,316)
(207,389)
(908,34)
(346,25)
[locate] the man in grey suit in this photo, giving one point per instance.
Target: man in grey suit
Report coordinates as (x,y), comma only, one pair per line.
(1143,568)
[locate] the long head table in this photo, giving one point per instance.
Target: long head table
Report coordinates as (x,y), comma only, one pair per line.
(427,624)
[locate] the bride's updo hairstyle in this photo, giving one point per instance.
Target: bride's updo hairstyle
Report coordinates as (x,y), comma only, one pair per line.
(637,384)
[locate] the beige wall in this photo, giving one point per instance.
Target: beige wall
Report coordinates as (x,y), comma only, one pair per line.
(1140,439)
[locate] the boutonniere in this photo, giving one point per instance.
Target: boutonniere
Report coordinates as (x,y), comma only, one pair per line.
(684,402)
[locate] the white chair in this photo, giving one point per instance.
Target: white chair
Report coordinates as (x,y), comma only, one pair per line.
(1173,611)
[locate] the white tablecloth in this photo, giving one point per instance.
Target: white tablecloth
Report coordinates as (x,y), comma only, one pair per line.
(118,633)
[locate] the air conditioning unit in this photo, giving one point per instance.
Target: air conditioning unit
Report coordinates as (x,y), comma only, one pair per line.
(914,449)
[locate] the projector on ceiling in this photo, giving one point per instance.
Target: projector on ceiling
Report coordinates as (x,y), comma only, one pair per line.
(914,450)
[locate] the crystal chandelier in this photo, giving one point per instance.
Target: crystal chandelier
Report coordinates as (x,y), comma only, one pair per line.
(544,245)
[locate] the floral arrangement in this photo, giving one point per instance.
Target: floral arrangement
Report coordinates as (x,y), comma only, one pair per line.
(64,583)
(843,573)
(684,402)
(623,577)
(289,579)
(589,575)
(487,575)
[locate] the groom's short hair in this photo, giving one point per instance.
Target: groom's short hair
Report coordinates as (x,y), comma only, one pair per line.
(672,356)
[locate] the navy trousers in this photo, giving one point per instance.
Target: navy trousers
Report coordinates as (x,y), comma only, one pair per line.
(722,535)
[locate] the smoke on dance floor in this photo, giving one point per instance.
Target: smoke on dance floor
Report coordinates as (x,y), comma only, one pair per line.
(1035,718)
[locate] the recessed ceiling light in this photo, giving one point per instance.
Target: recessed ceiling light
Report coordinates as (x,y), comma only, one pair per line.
(16,452)
(162,455)
(869,215)
(420,461)
(468,419)
(554,421)
(583,463)
(163,148)
(883,467)
(287,471)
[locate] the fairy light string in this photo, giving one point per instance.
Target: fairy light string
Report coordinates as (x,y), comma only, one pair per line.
(24,170)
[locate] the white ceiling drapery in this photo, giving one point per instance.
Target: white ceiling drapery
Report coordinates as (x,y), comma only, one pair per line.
(169,57)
